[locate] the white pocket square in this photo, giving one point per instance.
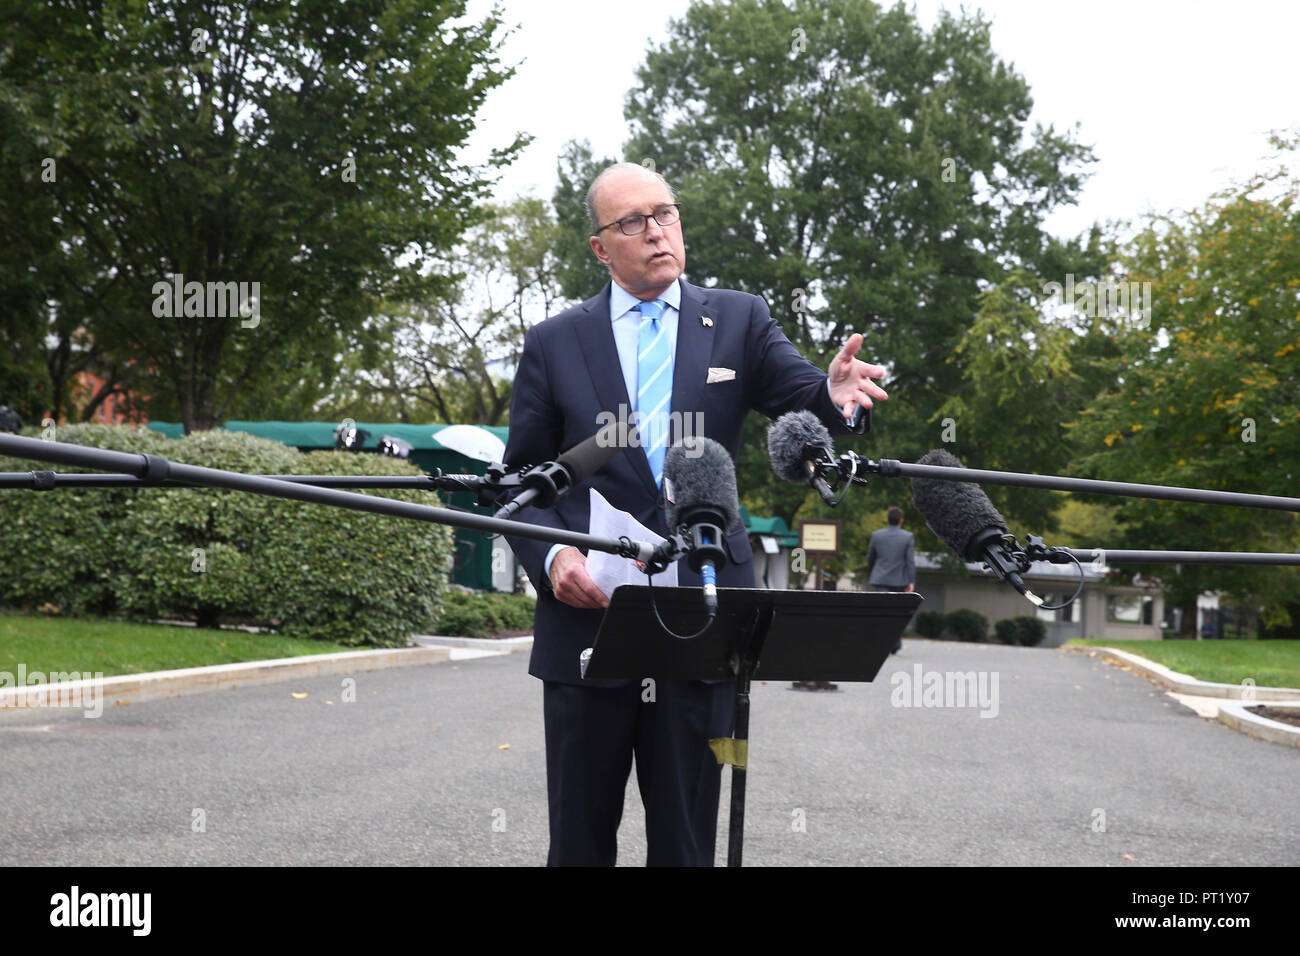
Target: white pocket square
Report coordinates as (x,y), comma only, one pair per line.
(721,375)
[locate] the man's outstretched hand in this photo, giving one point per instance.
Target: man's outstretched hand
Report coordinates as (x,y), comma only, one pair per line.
(850,379)
(571,582)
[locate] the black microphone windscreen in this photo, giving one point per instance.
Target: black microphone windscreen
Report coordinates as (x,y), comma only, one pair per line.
(787,439)
(956,511)
(589,456)
(698,473)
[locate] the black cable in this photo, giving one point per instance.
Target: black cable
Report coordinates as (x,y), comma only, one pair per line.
(650,579)
(1077,591)
(847,484)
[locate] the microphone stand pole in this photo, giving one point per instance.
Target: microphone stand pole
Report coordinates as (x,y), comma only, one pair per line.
(49,480)
(889,468)
(1119,556)
(157,471)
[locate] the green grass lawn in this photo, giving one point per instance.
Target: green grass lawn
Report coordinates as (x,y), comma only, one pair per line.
(1268,663)
(115,647)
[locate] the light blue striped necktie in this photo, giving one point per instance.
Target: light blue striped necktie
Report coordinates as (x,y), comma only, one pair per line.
(654,390)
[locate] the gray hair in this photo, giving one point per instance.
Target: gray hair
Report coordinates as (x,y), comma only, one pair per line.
(610,170)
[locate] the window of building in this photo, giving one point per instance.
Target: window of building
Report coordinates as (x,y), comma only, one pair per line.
(1129,609)
(1064,615)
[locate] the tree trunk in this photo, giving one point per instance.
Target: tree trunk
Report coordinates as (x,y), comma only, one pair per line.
(1187,626)
(207,616)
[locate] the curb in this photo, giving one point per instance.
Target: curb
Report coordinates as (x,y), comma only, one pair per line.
(1236,697)
(1185,683)
(484,643)
(1237,717)
(90,693)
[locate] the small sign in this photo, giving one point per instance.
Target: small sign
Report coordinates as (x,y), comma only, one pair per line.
(770,545)
(820,537)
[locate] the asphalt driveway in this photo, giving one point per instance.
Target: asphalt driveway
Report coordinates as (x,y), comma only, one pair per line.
(1077,762)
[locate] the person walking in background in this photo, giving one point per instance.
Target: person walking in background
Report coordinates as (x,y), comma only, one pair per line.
(891,558)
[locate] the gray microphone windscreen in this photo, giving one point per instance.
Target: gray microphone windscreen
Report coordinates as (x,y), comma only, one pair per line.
(787,439)
(698,473)
(592,454)
(956,511)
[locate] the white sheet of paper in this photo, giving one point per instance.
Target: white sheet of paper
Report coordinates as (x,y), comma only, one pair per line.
(609,570)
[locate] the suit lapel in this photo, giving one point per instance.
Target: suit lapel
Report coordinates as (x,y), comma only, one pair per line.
(595,332)
(694,349)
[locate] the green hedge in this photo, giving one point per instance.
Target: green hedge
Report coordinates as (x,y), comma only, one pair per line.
(929,624)
(968,625)
(309,570)
(474,614)
(1025,631)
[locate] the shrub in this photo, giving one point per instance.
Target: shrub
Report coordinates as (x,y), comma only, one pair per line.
(1032,631)
(1025,630)
(63,546)
(313,571)
(968,625)
(929,624)
(513,611)
(474,614)
(1006,631)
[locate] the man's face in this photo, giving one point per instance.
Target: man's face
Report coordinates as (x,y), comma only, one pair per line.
(647,263)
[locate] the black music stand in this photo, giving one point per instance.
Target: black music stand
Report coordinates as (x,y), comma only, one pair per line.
(768,634)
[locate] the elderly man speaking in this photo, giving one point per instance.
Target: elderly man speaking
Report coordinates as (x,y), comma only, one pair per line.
(653,343)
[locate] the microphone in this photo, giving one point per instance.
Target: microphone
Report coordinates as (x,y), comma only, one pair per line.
(964,518)
(552,480)
(800,446)
(700,493)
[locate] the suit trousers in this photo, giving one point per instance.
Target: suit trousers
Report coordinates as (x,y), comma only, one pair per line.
(592,734)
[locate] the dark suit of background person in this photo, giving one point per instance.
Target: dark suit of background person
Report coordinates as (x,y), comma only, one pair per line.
(891,558)
(569,374)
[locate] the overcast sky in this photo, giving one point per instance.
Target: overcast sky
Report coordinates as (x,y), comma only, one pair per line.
(1176,98)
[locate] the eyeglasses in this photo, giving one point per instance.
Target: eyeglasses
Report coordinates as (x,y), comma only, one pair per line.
(635,225)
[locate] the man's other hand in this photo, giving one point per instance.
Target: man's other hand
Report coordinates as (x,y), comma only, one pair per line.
(850,378)
(571,582)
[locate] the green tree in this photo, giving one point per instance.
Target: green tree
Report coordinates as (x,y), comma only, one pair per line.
(450,358)
(1028,366)
(862,174)
(579,271)
(307,146)
(1208,394)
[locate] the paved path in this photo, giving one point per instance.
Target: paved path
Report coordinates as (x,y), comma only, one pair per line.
(413,772)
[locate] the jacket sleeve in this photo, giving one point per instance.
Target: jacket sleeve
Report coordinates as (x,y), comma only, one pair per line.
(786,381)
(536,432)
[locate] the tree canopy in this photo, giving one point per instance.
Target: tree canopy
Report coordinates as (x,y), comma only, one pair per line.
(308,147)
(862,174)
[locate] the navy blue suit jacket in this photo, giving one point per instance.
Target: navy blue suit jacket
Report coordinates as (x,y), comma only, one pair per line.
(569,374)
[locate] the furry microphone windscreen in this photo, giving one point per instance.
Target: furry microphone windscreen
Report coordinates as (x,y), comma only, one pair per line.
(698,472)
(956,511)
(587,457)
(787,439)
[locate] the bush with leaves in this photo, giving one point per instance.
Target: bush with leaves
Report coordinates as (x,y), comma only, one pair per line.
(1024,631)
(968,625)
(309,570)
(474,614)
(63,547)
(929,624)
